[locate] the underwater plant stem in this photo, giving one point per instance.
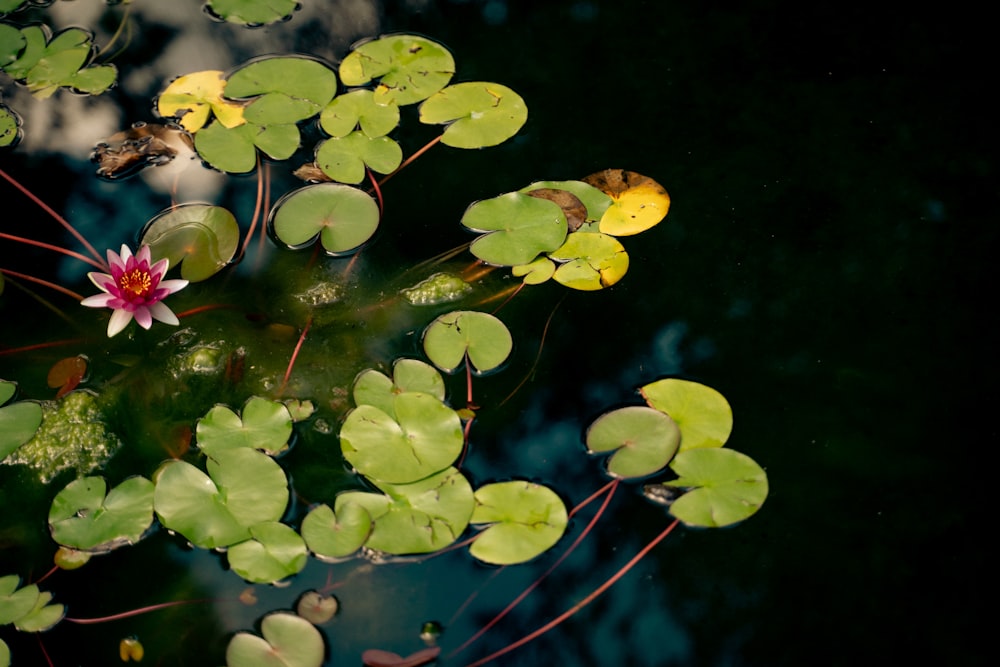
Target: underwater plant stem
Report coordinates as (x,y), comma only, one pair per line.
(61,220)
(135,612)
(410,159)
(41,645)
(205,308)
(39,281)
(55,568)
(118,33)
(256,209)
(41,346)
(582,603)
(49,246)
(538,355)
(609,489)
(295,355)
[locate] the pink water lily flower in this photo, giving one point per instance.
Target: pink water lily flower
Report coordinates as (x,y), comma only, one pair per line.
(134,289)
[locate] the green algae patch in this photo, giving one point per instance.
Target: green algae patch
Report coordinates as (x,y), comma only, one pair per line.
(73,436)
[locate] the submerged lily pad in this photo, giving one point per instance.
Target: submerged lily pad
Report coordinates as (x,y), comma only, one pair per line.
(725,487)
(467,334)
(519,228)
(242,489)
(330,534)
(276,552)
(590,261)
(341,217)
(525,519)
(421,517)
(422,437)
(201,238)
(18,422)
(437,289)
(84,518)
(410,68)
(643,439)
(265,425)
(479,114)
(288,641)
(702,413)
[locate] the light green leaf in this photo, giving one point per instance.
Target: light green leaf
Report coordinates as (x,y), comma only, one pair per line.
(481,337)
(276,552)
(332,535)
(202,239)
(287,89)
(252,13)
(590,261)
(358,110)
(479,114)
(525,518)
(411,68)
(341,217)
(702,413)
(42,616)
(83,518)
(16,603)
(344,159)
(521,227)
(265,425)
(643,439)
(725,487)
(408,375)
(288,641)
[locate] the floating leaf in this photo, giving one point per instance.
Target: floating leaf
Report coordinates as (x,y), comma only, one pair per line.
(11,43)
(411,68)
(71,559)
(42,616)
(536,272)
(593,199)
(358,110)
(344,159)
(480,114)
(45,65)
(288,641)
(521,227)
(276,552)
(66,374)
(725,487)
(201,238)
(234,150)
(265,425)
(590,261)
(16,603)
(644,440)
(191,97)
(10,133)
(421,517)
(408,375)
(130,649)
(481,337)
(18,422)
(572,206)
(316,607)
(525,520)
(242,488)
(702,413)
(342,217)
(639,202)
(423,437)
(286,89)
(332,535)
(252,13)
(83,518)
(4,654)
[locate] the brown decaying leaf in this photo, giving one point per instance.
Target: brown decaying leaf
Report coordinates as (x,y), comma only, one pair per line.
(311,173)
(574,209)
(613,182)
(66,374)
(142,145)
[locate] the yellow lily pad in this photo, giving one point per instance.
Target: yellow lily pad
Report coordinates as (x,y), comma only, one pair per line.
(191,97)
(638,202)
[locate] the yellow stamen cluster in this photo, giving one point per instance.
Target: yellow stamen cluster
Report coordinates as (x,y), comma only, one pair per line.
(136,282)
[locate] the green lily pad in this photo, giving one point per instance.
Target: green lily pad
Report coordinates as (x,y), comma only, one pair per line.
(46,65)
(82,517)
(520,228)
(358,110)
(536,272)
(30,49)
(252,13)
(243,488)
(286,89)
(643,439)
(408,375)
(725,487)
(10,134)
(596,201)
(316,607)
(71,559)
(341,217)
(702,413)
(4,654)
(479,114)
(201,238)
(42,616)
(18,422)
(436,289)
(424,437)
(410,68)
(276,552)
(288,641)
(421,517)
(330,535)
(461,334)
(344,159)
(590,261)
(234,150)
(11,43)
(265,425)
(526,519)
(15,603)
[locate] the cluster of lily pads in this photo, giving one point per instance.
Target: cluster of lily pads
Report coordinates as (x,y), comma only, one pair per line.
(403,439)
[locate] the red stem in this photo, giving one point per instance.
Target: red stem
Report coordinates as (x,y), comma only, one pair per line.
(378,192)
(41,346)
(579,605)
(61,220)
(135,612)
(516,601)
(256,210)
(49,246)
(295,354)
(39,281)
(410,159)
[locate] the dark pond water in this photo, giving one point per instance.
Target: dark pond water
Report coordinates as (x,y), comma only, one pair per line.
(824,265)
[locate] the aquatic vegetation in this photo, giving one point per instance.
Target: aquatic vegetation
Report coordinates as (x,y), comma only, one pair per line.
(277,359)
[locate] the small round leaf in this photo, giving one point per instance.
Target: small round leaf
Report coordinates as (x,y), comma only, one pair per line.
(481,337)
(702,413)
(525,518)
(725,487)
(643,439)
(342,217)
